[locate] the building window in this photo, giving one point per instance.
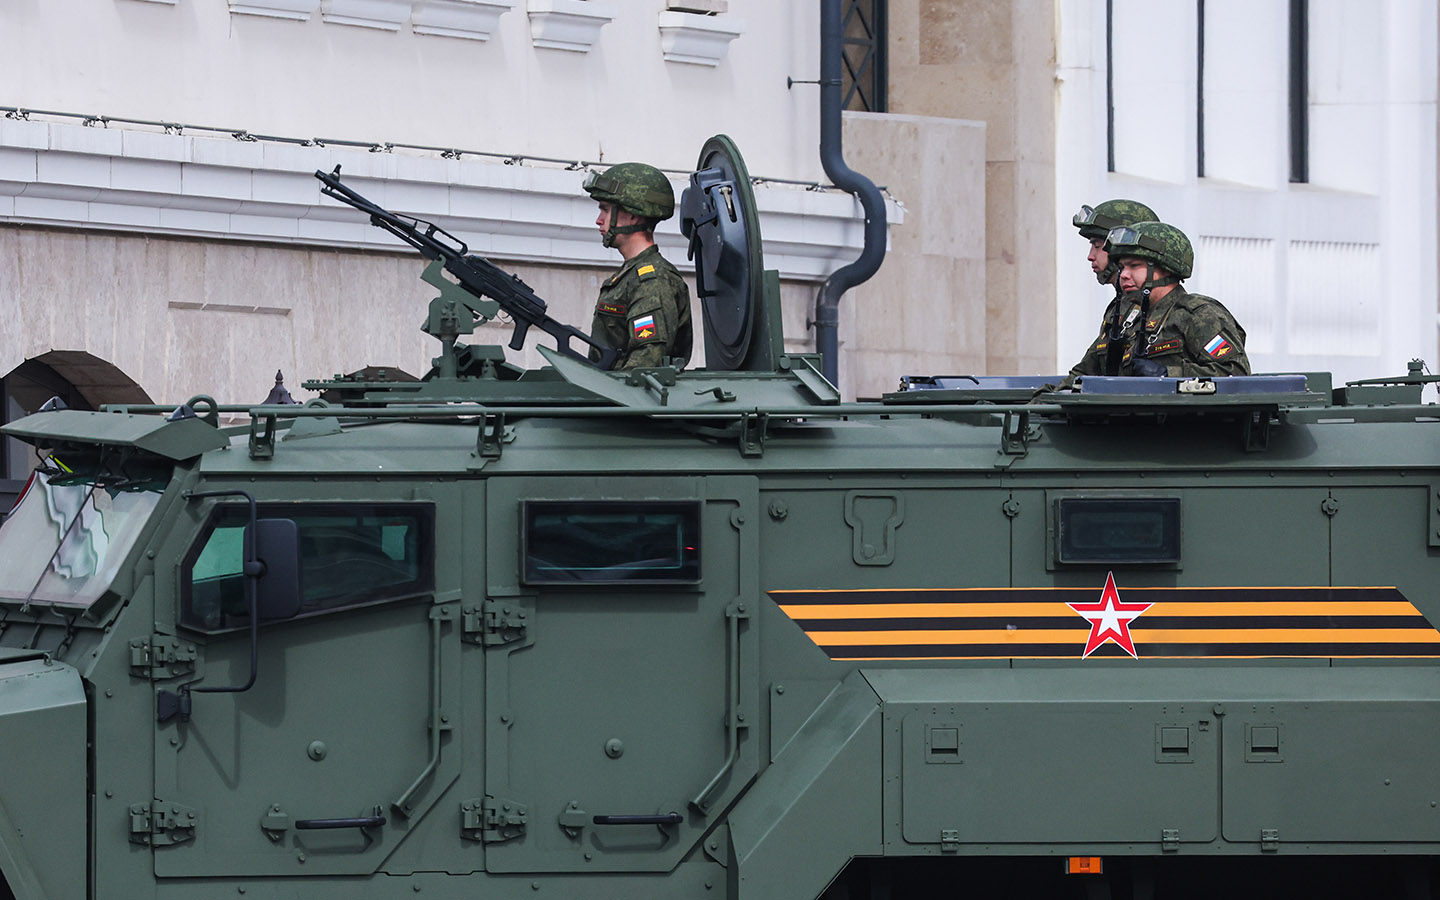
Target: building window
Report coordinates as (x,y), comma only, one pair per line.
(1109,85)
(863,76)
(1199,88)
(1299,91)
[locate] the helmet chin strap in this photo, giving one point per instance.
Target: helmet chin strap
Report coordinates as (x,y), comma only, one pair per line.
(613,231)
(1107,275)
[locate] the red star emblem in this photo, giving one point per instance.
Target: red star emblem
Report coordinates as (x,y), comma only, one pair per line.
(1110,619)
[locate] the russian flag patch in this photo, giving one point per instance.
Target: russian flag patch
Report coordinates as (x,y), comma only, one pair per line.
(1218,347)
(643,327)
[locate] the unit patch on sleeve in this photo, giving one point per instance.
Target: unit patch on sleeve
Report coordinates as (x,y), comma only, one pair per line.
(1218,347)
(643,328)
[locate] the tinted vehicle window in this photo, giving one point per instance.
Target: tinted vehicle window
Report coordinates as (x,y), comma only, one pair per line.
(612,542)
(349,555)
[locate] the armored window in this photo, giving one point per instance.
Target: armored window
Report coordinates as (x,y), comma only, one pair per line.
(64,544)
(350,555)
(611,542)
(1117,530)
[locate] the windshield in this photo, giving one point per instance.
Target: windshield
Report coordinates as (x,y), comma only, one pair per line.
(63,544)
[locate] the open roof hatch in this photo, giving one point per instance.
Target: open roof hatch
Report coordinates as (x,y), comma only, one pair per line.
(739,300)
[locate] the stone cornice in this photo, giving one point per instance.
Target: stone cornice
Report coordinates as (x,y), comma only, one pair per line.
(219,188)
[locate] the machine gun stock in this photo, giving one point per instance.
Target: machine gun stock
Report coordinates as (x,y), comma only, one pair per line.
(476,274)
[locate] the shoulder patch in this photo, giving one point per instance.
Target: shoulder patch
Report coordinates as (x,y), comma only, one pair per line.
(643,328)
(645,271)
(1218,347)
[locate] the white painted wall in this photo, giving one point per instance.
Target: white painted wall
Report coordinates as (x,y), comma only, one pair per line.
(197,62)
(1337,274)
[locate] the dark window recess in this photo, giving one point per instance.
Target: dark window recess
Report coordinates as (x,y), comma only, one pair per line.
(1109,85)
(611,542)
(1112,530)
(864,71)
(1199,88)
(350,555)
(1299,91)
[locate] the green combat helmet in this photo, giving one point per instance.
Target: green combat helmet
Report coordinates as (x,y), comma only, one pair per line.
(1095,222)
(637,188)
(1163,245)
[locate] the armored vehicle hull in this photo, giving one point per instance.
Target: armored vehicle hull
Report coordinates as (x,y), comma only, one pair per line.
(715,633)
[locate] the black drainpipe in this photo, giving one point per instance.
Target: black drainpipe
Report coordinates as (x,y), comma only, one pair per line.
(827,307)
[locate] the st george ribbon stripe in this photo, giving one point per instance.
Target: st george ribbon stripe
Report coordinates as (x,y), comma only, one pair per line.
(1228,622)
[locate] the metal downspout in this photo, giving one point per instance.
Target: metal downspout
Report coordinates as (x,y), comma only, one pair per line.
(827,306)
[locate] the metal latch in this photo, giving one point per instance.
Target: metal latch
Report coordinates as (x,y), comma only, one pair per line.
(1196,386)
(492,436)
(496,622)
(1270,839)
(1016,434)
(161,656)
(492,819)
(160,824)
(949,840)
(1169,839)
(753,429)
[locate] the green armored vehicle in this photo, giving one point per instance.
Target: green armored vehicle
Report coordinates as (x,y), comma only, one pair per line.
(570,633)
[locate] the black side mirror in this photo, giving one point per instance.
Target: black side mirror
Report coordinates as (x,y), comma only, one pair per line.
(277,590)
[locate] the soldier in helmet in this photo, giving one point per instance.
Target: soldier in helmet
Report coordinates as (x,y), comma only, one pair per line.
(644,309)
(1094,224)
(1162,328)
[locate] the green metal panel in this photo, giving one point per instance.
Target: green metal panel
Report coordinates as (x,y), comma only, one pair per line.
(1350,772)
(179,440)
(999,773)
(43,819)
(337,726)
(620,700)
(821,797)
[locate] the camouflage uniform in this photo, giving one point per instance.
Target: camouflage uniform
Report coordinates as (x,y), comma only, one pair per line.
(644,310)
(1188,334)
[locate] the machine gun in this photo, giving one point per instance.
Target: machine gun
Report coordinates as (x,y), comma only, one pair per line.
(476,274)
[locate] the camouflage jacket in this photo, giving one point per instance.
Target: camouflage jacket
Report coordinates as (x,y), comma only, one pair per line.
(1188,334)
(644,311)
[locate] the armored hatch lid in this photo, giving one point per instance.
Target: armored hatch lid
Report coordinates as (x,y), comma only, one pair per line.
(739,301)
(796,382)
(177,440)
(1117,394)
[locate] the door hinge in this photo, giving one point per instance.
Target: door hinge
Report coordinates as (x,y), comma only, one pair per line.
(161,656)
(161,824)
(1170,839)
(1269,839)
(496,622)
(492,819)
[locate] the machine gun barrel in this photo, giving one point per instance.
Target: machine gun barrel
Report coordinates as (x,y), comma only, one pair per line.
(475,274)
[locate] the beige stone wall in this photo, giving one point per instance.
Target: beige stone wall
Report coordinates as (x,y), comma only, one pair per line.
(924,312)
(995,62)
(186,317)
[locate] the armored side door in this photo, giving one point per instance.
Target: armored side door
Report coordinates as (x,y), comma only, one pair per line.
(336,755)
(618,706)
